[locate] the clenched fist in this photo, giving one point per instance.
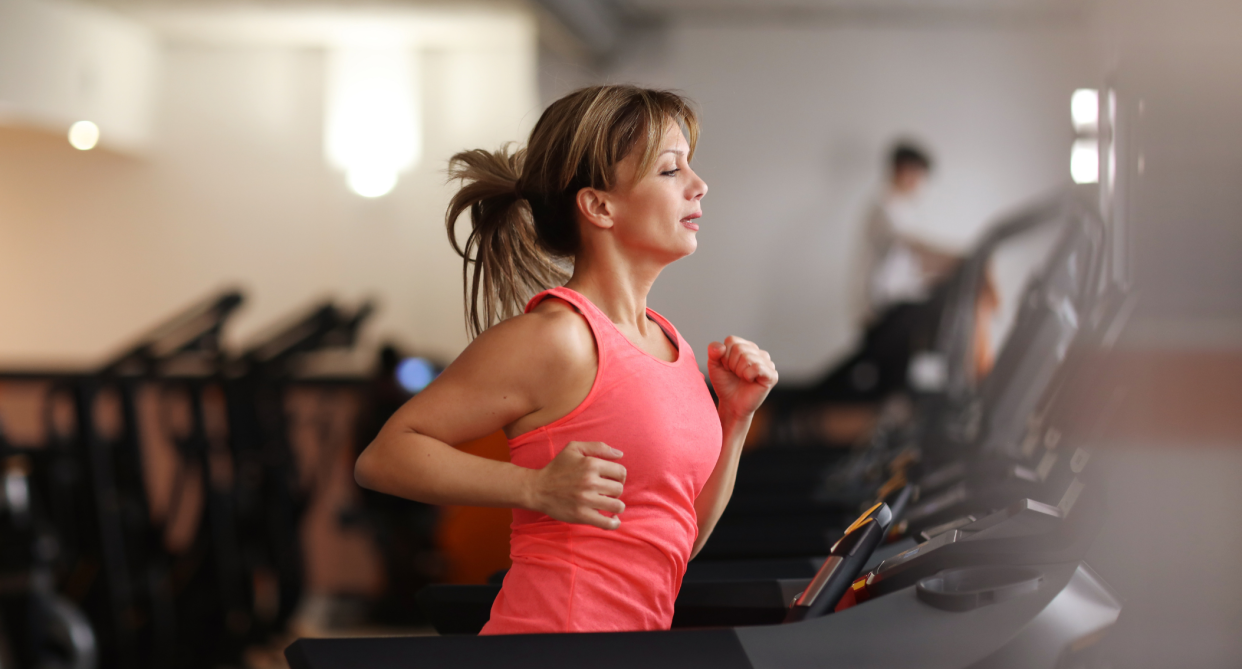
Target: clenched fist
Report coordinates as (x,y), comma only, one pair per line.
(581,485)
(741,374)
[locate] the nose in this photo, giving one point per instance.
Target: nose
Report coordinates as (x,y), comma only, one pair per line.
(698,188)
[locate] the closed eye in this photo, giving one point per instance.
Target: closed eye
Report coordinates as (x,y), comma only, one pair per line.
(671,173)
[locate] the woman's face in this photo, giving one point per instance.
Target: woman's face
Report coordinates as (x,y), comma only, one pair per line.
(655,213)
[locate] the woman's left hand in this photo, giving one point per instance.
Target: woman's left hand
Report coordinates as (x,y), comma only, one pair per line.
(741,374)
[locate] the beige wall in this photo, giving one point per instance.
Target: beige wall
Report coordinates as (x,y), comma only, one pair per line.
(94,246)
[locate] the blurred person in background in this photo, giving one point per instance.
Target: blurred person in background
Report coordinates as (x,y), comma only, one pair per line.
(899,266)
(621,464)
(900,261)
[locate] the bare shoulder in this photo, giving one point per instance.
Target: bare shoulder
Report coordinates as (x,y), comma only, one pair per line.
(556,334)
(552,339)
(513,375)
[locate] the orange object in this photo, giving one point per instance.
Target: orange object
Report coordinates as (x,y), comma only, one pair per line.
(986,305)
(475,540)
(758,433)
(855,595)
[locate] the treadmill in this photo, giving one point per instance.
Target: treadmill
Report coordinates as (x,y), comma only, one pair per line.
(1008,588)
(1012,593)
(944,430)
(783,549)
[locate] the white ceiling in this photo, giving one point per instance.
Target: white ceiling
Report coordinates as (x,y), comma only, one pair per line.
(797,10)
(649,8)
(320,22)
(593,26)
(662,6)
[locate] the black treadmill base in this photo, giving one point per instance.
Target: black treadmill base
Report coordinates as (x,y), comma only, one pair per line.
(718,649)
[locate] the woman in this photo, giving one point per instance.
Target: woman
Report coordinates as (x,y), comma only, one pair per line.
(620,463)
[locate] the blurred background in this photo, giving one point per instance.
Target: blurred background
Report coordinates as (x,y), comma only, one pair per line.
(223,264)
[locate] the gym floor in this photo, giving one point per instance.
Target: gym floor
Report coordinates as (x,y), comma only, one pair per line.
(1170,547)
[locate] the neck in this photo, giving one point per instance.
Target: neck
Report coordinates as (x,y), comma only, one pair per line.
(617,285)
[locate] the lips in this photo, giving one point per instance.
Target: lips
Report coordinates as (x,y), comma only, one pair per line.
(689,220)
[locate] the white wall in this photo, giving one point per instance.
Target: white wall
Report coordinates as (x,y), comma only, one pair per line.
(1177,70)
(795,122)
(62,62)
(235,191)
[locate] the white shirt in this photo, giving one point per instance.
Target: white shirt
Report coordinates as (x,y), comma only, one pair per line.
(891,271)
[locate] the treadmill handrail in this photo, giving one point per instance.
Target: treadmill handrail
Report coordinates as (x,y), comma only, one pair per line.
(955,332)
(845,561)
(198,327)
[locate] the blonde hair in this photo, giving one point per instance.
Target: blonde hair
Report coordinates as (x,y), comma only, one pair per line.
(523,203)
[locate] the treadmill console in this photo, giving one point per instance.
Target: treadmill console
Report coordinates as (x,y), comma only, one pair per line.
(1024,518)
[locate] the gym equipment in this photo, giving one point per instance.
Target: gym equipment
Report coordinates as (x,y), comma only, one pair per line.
(464,609)
(243,568)
(405,531)
(38,627)
(267,498)
(845,560)
(97,481)
(1040,615)
(947,424)
(942,326)
(98,546)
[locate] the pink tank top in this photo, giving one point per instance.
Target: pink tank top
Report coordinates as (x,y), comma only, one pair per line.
(577,578)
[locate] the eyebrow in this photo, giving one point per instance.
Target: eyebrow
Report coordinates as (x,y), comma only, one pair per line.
(676,151)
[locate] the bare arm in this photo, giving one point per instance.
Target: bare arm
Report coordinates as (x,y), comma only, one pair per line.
(742,374)
(515,374)
(935,260)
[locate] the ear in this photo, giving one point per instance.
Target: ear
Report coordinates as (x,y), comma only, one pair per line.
(595,207)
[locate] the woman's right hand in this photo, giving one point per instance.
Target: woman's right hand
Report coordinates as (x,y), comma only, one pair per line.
(580,485)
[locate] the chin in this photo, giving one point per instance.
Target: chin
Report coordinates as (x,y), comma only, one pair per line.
(671,255)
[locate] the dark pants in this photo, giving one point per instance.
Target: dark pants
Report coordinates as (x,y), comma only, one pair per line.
(878,368)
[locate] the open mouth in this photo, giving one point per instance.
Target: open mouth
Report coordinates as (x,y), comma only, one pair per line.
(689,221)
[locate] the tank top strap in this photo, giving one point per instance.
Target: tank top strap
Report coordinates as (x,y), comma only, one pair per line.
(579,301)
(602,329)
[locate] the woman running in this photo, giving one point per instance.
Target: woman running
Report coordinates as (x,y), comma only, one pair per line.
(620,462)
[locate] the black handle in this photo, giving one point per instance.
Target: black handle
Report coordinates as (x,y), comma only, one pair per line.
(845,562)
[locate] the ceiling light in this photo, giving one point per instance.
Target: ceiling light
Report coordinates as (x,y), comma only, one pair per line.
(83,135)
(1085,109)
(1085,161)
(373,127)
(369,182)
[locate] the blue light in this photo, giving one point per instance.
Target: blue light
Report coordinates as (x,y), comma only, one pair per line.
(414,374)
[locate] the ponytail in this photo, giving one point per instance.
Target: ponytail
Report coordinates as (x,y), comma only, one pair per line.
(510,265)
